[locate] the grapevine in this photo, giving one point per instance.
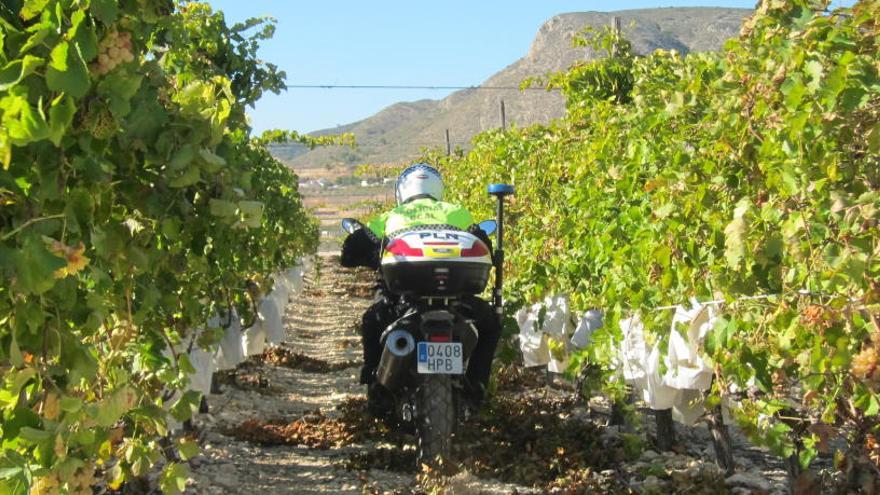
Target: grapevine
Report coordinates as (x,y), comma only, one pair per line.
(134,205)
(748,172)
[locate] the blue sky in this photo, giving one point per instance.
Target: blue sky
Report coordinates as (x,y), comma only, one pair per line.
(449,42)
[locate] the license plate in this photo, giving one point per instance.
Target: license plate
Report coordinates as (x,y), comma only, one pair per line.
(440,358)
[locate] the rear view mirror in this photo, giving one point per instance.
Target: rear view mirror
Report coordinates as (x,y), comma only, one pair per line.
(351,225)
(488,226)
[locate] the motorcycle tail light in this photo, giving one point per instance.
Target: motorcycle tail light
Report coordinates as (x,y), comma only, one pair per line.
(475,251)
(439,337)
(399,247)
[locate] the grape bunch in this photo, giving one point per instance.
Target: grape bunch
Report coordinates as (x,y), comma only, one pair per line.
(101,123)
(864,365)
(45,485)
(113,50)
(82,481)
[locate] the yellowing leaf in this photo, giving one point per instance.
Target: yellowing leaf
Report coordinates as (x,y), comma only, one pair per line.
(74,257)
(32,8)
(5,150)
(117,476)
(734,247)
(51,406)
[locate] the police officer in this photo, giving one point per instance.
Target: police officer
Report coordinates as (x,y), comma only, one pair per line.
(419,194)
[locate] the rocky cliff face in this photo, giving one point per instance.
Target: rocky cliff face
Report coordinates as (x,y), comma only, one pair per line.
(398,132)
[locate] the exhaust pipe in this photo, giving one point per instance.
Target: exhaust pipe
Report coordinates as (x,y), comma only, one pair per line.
(399,347)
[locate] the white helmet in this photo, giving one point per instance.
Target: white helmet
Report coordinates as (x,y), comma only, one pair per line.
(418,180)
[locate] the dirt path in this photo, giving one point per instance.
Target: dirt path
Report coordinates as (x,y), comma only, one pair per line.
(293,421)
(320,324)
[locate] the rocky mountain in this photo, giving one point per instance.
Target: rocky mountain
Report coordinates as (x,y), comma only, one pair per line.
(400,130)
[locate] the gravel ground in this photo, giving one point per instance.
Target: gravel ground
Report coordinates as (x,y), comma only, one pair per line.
(320,324)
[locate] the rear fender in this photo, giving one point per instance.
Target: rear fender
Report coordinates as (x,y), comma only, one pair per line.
(437,322)
(452,326)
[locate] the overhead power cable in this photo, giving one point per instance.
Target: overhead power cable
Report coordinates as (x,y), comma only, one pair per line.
(387,144)
(406,86)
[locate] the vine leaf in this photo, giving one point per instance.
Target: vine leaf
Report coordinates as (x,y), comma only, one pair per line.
(104,10)
(67,70)
(814,69)
(173,478)
(15,71)
(189,177)
(32,8)
(109,410)
(10,472)
(252,213)
(15,356)
(187,449)
(60,116)
(23,124)
(35,266)
(83,34)
(36,39)
(734,247)
(5,151)
(221,208)
(874,139)
(873,406)
(794,90)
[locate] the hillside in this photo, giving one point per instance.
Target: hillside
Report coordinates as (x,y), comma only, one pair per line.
(397,132)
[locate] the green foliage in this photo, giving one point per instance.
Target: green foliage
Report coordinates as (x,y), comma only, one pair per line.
(285,137)
(611,80)
(716,175)
(133,205)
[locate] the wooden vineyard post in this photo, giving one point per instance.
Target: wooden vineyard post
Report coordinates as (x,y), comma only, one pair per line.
(721,440)
(618,411)
(615,26)
(503,116)
(665,429)
(618,414)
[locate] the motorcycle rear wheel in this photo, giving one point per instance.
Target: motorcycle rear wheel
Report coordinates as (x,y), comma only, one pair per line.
(436,420)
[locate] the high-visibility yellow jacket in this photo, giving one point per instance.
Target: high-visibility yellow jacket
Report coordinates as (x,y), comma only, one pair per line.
(422,211)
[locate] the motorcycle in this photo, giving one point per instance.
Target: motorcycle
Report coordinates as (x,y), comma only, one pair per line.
(425,352)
